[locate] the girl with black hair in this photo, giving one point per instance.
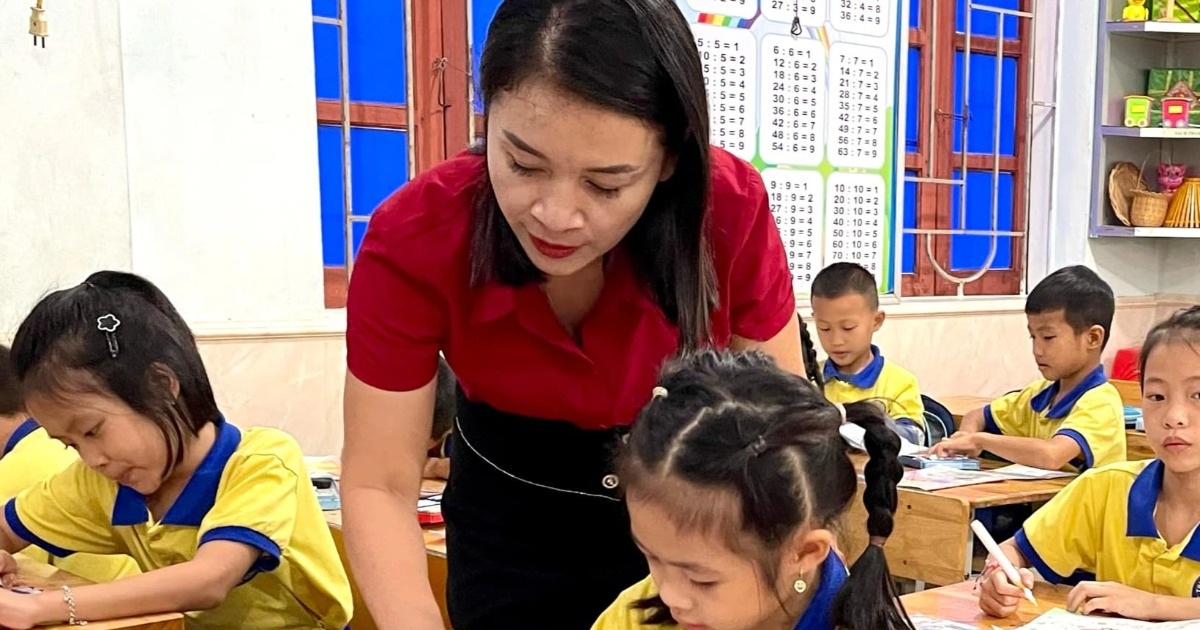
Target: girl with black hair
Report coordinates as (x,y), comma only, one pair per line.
(735,474)
(593,235)
(223,523)
(28,455)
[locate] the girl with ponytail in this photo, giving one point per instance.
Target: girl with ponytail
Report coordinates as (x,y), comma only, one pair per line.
(735,474)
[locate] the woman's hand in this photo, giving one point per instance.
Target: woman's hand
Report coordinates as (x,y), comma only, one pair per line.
(18,611)
(1113,598)
(999,597)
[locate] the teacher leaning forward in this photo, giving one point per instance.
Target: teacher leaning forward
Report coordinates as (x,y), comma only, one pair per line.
(596,235)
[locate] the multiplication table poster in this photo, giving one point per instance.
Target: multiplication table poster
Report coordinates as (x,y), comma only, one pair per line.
(805,90)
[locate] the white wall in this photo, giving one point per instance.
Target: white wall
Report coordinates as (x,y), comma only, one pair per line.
(64,197)
(173,139)
(1181,269)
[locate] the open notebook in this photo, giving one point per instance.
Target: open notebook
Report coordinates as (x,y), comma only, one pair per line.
(1059,619)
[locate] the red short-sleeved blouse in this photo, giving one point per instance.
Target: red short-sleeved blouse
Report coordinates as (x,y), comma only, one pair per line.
(410,297)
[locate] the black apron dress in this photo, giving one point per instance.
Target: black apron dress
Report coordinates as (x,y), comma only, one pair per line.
(551,549)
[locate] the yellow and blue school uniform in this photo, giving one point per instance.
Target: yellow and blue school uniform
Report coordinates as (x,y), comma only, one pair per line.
(623,615)
(881,380)
(31,456)
(1091,413)
(1101,527)
(251,489)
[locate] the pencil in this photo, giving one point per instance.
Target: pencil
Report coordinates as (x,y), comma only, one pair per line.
(1005,565)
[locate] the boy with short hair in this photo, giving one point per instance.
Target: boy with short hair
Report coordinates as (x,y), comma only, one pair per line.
(1073,419)
(845,303)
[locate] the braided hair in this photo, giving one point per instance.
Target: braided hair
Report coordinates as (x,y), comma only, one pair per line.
(737,423)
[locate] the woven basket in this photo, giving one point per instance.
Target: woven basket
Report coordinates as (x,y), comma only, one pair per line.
(1123,179)
(1149,209)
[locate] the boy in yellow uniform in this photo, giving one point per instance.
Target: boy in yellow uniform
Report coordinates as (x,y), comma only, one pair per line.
(845,303)
(28,455)
(1129,530)
(1073,419)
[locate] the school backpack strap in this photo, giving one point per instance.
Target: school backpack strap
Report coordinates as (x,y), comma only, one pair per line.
(939,423)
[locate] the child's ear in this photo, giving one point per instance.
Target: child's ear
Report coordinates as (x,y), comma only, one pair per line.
(165,378)
(805,554)
(1095,337)
(879,317)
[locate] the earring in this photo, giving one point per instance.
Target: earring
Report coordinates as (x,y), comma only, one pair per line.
(800,586)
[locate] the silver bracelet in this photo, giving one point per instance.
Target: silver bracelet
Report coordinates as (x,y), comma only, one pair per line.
(69,600)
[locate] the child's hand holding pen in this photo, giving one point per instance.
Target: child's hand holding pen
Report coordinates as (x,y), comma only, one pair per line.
(998,596)
(1004,586)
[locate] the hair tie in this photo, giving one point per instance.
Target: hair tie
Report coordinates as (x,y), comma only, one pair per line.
(878,541)
(758,445)
(108,325)
(841,410)
(658,392)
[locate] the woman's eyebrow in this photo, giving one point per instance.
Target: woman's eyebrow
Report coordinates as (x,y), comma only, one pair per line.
(614,169)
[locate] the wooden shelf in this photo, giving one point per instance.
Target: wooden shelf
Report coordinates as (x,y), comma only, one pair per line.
(1143,232)
(1125,51)
(1163,133)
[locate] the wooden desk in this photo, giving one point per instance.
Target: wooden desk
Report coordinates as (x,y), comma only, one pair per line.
(960,406)
(932,541)
(44,576)
(960,603)
(1137,445)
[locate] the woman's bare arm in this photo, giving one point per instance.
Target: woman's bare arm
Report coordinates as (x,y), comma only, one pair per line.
(382,461)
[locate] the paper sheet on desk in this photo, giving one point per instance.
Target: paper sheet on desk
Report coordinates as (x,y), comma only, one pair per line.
(1059,619)
(1017,471)
(940,478)
(925,622)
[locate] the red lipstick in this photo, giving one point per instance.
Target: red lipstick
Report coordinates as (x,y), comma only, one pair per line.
(552,250)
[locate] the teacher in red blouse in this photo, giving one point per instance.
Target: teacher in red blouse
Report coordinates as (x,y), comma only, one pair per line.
(595,234)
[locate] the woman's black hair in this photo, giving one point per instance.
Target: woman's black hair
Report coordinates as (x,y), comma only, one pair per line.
(636,57)
(62,348)
(736,423)
(1183,326)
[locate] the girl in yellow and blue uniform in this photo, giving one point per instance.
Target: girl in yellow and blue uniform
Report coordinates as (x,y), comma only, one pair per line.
(224,523)
(29,455)
(1126,534)
(735,474)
